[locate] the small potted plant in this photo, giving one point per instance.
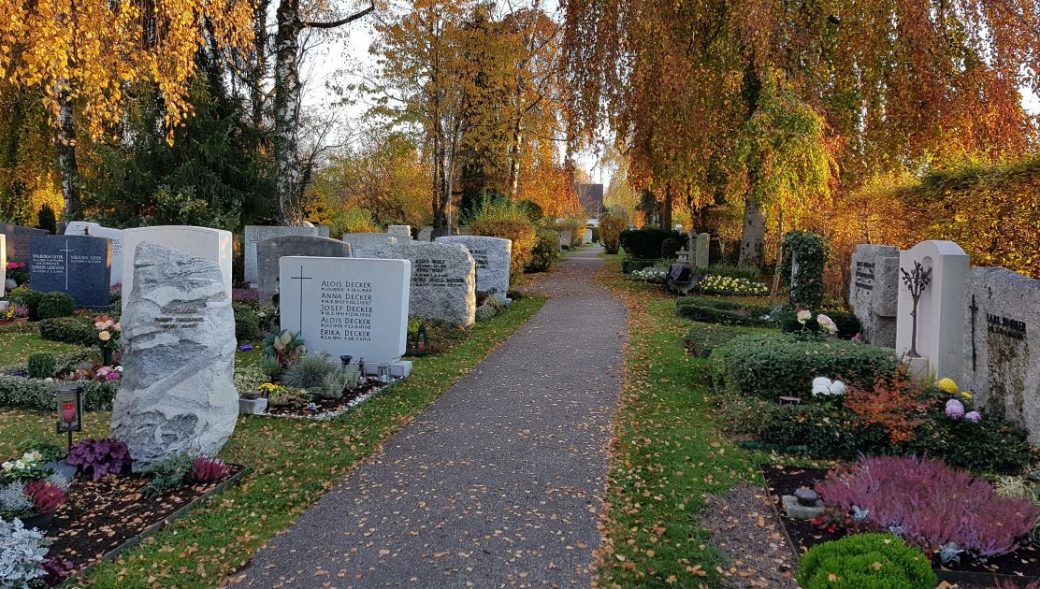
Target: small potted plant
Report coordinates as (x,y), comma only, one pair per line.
(108,331)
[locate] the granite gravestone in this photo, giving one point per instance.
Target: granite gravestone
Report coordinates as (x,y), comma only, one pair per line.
(874,292)
(254,234)
(492,257)
(176,394)
(426,233)
(73,264)
(443,285)
(702,246)
(1001,351)
(565,240)
(109,233)
(18,240)
(934,327)
(204,242)
(271,250)
(442,232)
(355,306)
(401,232)
(366,245)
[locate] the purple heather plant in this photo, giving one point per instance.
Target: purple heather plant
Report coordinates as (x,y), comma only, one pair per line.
(241,295)
(100,457)
(207,470)
(931,503)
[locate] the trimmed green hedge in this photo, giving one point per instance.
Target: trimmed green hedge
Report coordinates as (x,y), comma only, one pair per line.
(711,310)
(645,244)
(702,338)
(71,330)
(865,561)
(848,324)
(775,365)
(30,393)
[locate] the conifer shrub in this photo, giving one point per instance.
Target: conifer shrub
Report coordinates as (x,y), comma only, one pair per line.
(865,561)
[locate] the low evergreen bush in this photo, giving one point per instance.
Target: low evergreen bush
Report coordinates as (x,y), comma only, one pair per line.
(776,365)
(710,310)
(734,271)
(54,304)
(247,322)
(31,393)
(545,251)
(71,330)
(865,561)
(41,365)
(702,338)
(646,244)
(848,324)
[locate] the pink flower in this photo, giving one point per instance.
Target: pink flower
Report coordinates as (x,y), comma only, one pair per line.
(827,323)
(112,376)
(804,315)
(954,409)
(973,416)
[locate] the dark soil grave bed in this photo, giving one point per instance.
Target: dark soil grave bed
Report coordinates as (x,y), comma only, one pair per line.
(326,407)
(1022,565)
(102,518)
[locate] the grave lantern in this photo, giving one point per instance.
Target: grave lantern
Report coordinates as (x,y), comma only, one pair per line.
(70,411)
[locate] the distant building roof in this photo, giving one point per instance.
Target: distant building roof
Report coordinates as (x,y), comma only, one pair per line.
(591,198)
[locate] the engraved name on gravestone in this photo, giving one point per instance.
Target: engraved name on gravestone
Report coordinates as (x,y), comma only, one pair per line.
(254,234)
(109,233)
(271,250)
(874,292)
(72,264)
(443,286)
(1001,358)
(18,240)
(492,257)
(355,306)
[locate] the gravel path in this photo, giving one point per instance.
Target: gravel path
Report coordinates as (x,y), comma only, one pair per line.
(497,483)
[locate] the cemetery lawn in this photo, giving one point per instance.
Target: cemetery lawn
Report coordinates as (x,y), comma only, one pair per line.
(16,346)
(667,454)
(293,463)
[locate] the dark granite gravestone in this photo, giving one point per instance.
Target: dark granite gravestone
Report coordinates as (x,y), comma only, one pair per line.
(72,264)
(18,241)
(269,251)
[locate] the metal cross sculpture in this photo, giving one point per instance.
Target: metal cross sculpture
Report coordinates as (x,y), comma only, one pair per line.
(916,281)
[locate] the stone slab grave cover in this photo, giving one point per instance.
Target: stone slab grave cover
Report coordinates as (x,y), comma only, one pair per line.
(77,265)
(874,292)
(939,329)
(1002,345)
(204,242)
(701,251)
(401,232)
(176,394)
(443,285)
(492,257)
(271,250)
(366,245)
(426,233)
(355,306)
(18,240)
(109,233)
(254,234)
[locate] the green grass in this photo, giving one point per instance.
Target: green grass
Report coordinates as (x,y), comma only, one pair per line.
(294,462)
(16,346)
(667,456)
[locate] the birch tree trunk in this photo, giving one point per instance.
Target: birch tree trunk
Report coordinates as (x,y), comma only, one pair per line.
(286,112)
(753,235)
(68,167)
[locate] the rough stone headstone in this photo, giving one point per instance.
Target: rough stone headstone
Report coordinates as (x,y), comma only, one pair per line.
(940,312)
(492,257)
(1002,345)
(18,240)
(874,292)
(176,394)
(76,265)
(254,234)
(426,233)
(565,240)
(110,233)
(211,244)
(366,245)
(443,286)
(271,250)
(702,247)
(355,306)
(401,232)
(3,264)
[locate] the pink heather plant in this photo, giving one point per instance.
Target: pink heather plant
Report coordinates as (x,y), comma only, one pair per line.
(931,503)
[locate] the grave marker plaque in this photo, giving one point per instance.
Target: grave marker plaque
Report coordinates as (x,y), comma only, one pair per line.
(109,233)
(18,240)
(78,266)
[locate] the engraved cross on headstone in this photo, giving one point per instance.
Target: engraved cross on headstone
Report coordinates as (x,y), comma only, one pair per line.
(66,251)
(301,278)
(974,313)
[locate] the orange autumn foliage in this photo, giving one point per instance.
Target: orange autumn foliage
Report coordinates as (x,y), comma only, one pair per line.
(896,404)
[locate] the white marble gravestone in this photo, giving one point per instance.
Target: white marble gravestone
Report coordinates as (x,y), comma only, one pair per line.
(366,245)
(204,242)
(254,234)
(443,286)
(701,249)
(940,312)
(1001,351)
(401,232)
(492,255)
(110,233)
(355,306)
(874,292)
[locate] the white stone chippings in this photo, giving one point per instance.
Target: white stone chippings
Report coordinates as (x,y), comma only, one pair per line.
(178,338)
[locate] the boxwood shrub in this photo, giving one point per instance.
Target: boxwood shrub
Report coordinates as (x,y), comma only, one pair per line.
(848,324)
(865,561)
(775,365)
(645,244)
(545,252)
(54,304)
(702,338)
(71,330)
(711,310)
(247,323)
(30,393)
